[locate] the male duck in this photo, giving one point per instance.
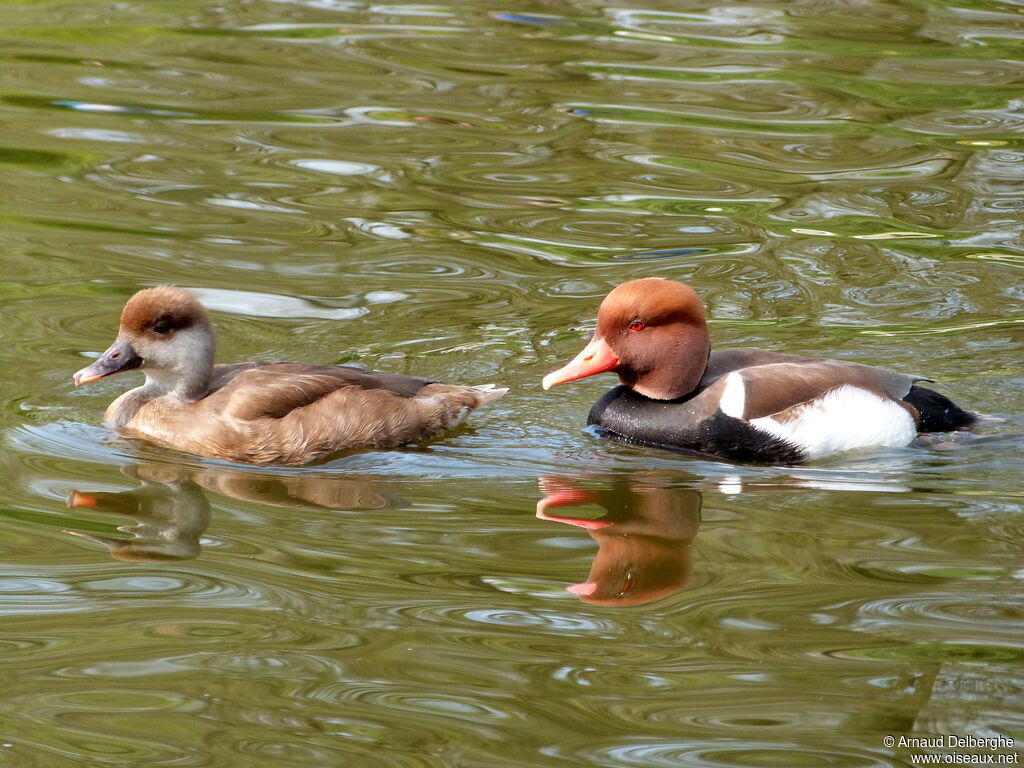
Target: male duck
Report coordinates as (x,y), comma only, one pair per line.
(739,404)
(261,412)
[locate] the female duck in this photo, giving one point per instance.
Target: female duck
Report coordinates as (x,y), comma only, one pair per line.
(261,412)
(739,404)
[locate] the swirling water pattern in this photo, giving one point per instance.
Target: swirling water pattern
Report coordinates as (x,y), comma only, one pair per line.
(449,190)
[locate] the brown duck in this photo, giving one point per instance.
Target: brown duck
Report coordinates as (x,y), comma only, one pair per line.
(261,412)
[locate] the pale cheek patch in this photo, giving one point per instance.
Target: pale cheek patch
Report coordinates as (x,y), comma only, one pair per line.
(845,419)
(734,396)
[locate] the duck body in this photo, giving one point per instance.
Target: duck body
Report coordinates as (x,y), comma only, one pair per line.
(270,413)
(296,413)
(774,408)
(740,404)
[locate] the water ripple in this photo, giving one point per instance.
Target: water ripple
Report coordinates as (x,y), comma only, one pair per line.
(449,190)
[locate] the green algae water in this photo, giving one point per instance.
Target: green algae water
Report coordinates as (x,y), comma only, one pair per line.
(449,190)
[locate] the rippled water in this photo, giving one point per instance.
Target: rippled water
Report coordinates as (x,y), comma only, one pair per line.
(450,190)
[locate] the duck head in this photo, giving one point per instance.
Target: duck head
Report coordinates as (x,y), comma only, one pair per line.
(653,333)
(167,334)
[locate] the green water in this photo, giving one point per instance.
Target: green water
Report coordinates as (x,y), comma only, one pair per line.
(450,190)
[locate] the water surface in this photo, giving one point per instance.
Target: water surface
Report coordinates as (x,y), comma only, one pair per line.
(450,190)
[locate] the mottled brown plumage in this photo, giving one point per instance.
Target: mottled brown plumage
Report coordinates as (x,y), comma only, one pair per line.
(261,413)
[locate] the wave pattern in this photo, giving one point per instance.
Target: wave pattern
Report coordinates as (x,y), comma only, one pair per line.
(449,190)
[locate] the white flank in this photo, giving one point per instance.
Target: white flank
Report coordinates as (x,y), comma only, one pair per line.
(734,396)
(731,485)
(845,419)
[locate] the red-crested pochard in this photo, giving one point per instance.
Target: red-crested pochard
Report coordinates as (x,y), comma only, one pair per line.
(261,412)
(739,404)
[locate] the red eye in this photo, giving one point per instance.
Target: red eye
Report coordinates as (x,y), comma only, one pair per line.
(636,325)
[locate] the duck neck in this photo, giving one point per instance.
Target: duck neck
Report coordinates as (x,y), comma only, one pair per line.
(189,376)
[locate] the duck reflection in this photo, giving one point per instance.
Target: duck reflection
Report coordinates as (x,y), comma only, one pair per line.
(299,491)
(170,513)
(171,510)
(643,538)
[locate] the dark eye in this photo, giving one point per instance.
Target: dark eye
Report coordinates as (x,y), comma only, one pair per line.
(636,325)
(162,327)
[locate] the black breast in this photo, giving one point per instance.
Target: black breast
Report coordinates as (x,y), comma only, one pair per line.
(680,425)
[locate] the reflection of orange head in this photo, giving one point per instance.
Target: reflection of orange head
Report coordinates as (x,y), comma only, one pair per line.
(633,570)
(643,538)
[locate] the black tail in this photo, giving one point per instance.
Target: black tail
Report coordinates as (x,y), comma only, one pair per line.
(938,412)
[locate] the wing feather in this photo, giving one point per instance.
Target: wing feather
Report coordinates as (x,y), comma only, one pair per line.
(275,390)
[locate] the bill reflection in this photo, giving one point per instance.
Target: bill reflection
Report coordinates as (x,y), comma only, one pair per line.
(643,534)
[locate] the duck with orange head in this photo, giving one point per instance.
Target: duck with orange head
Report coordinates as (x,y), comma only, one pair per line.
(739,404)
